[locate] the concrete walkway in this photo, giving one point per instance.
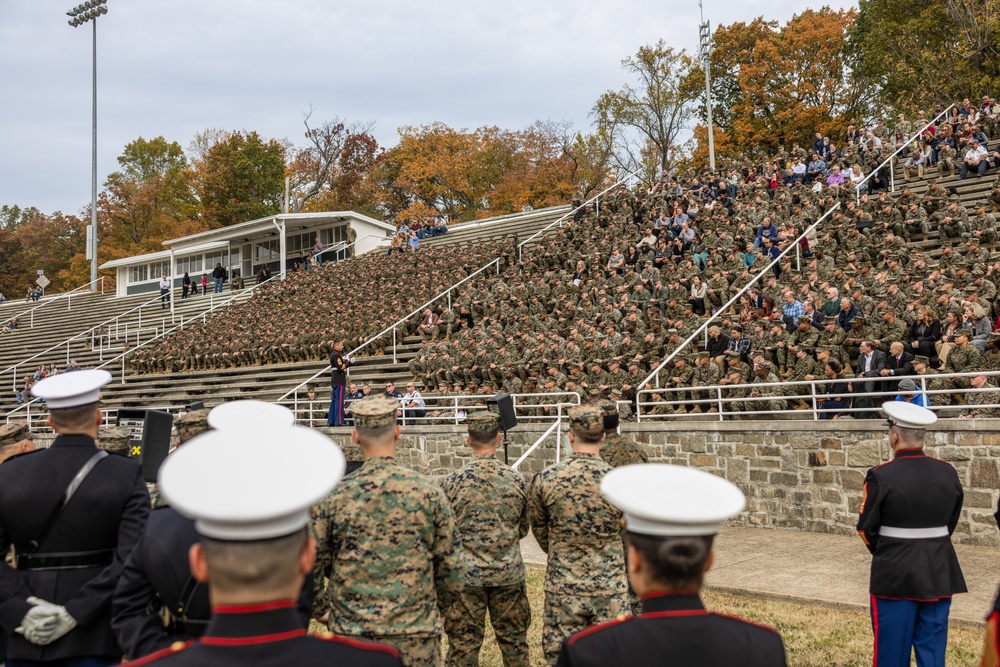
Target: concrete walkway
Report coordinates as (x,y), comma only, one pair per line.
(815,568)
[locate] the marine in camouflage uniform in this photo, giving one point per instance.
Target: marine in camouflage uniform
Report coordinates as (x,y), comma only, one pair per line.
(580,532)
(989,396)
(386,538)
(490,502)
(705,374)
(922,366)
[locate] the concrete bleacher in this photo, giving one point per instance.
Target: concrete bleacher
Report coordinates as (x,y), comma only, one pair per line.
(268,382)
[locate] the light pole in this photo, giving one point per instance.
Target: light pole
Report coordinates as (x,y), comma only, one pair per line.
(705,50)
(89,11)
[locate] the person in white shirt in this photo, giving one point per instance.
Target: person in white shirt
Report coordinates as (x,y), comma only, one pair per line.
(975,158)
(164,292)
(413,405)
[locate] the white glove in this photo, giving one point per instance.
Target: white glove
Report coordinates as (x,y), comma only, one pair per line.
(64,624)
(40,622)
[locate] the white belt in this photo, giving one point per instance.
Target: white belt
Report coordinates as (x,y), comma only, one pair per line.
(913,533)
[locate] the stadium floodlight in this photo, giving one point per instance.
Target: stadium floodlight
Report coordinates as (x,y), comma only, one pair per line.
(89,11)
(705,50)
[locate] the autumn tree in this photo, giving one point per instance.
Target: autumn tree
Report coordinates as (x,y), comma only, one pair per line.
(147,199)
(646,117)
(14,275)
(928,51)
(240,178)
(776,84)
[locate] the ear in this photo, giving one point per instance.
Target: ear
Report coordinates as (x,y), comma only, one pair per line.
(354,437)
(52,424)
(396,432)
(468,441)
(633,563)
(308,556)
(99,418)
(709,560)
(569,436)
(199,566)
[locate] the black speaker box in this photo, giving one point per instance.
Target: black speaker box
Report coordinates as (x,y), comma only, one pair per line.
(503,405)
(150,437)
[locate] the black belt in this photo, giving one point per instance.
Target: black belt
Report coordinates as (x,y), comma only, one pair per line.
(66,561)
(190,628)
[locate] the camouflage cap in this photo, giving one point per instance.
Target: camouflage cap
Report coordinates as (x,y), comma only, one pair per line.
(804,319)
(114,439)
(586,417)
(191,424)
(608,408)
(970,289)
(375,412)
(13,432)
(921,359)
(483,421)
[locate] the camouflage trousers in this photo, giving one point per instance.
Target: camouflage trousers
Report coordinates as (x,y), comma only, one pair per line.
(510,616)
(415,650)
(565,615)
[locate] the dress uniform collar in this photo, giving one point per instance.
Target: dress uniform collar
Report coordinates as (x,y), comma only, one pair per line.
(909,453)
(672,601)
(75,440)
(253,624)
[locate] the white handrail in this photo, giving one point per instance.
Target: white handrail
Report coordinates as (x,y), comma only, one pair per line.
(560,220)
(53,299)
(392,327)
(239,295)
(892,176)
(704,326)
(556,426)
(719,400)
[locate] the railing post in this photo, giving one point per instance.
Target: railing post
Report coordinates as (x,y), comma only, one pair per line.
(449,299)
(456,409)
(815,402)
(718,392)
(394,345)
(67,352)
(558,431)
(798,257)
(892,178)
(69,301)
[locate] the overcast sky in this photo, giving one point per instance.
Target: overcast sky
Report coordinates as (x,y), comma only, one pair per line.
(176,67)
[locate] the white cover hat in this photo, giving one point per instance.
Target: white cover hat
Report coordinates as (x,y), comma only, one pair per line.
(907,415)
(250,414)
(70,390)
(661,500)
(248,485)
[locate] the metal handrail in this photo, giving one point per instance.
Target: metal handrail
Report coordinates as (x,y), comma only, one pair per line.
(560,220)
(53,299)
(719,400)
(655,374)
(892,174)
(557,427)
(522,216)
(226,303)
(392,328)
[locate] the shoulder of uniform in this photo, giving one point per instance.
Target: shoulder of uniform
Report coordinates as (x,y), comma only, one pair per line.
(594,629)
(358,644)
(176,647)
(22,455)
(743,621)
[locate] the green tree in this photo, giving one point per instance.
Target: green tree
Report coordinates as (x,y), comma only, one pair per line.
(12,217)
(240,178)
(646,119)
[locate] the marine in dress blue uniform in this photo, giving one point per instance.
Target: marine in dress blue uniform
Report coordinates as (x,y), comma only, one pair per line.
(910,508)
(672,514)
(253,550)
(339,363)
(157,576)
(55,607)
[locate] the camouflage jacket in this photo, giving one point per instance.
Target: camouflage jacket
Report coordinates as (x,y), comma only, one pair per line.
(490,502)
(617,450)
(386,539)
(577,528)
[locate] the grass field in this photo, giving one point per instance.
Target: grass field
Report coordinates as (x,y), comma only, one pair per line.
(814,636)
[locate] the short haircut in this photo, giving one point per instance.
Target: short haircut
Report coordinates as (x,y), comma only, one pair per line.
(912,436)
(611,422)
(263,565)
(77,418)
(588,436)
(678,562)
(375,435)
(481,438)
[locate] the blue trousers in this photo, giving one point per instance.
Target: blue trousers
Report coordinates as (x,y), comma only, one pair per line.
(899,625)
(81,661)
(335,416)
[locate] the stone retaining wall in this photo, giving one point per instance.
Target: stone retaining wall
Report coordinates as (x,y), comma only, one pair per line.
(796,475)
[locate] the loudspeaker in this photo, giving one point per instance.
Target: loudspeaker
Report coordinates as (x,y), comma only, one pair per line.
(191,407)
(150,437)
(503,405)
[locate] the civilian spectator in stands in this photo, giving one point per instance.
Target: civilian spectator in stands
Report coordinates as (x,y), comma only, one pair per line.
(767,230)
(397,245)
(164,292)
(718,343)
(981,325)
(441,227)
(836,391)
(697,299)
(835,179)
(616,263)
(264,274)
(749,257)
(857,177)
(413,405)
(925,333)
(739,346)
(418,228)
(976,158)
(353,395)
(915,165)
(816,318)
(429,325)
(792,310)
(392,392)
(944,345)
(581,274)
(73,366)
(648,242)
(699,253)
(847,314)
(661,254)
(677,250)
(799,169)
(237,283)
(631,256)
(910,394)
(204,284)
(414,242)
(318,251)
(219,274)
(816,168)
(831,308)
(185,285)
